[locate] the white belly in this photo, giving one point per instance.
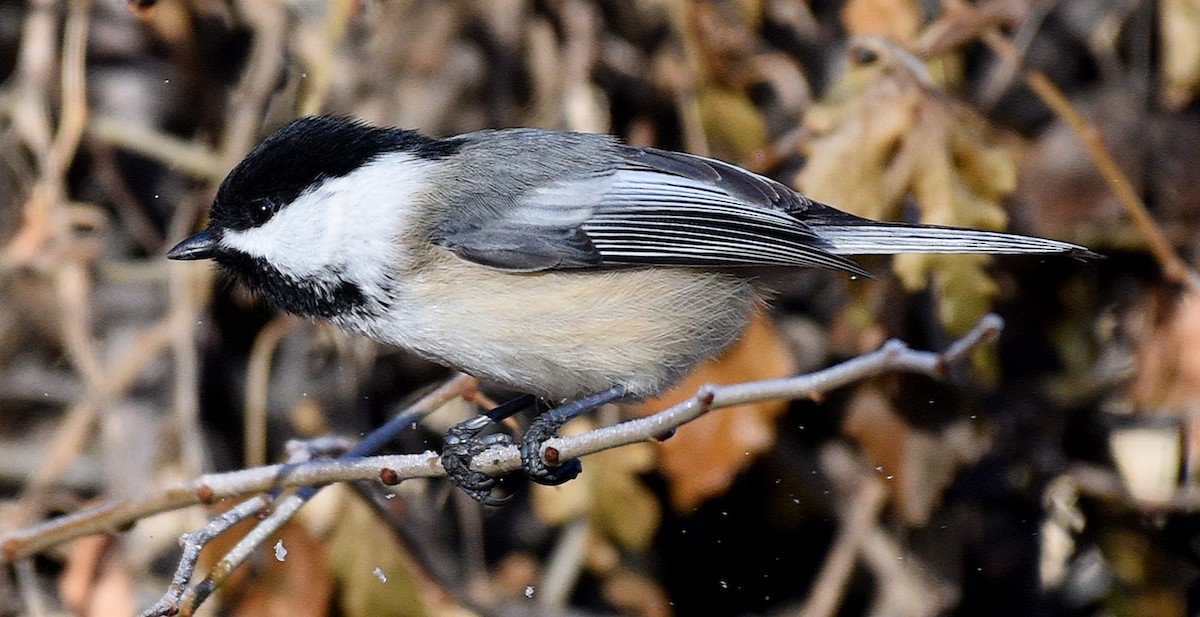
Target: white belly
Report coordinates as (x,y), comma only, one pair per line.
(566,334)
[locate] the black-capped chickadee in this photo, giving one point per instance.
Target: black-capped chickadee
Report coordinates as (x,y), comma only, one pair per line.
(558,264)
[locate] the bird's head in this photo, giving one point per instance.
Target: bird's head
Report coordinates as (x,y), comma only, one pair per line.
(309,219)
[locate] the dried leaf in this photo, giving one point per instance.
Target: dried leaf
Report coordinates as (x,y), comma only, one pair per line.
(609,492)
(917,465)
(886,133)
(1167,359)
(732,122)
(1166,376)
(896,19)
(705,455)
(298,585)
(515,574)
(96,580)
(374,574)
(880,432)
(1179,43)
(635,594)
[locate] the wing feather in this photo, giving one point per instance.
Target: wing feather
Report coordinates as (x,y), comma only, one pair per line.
(630,207)
(718,215)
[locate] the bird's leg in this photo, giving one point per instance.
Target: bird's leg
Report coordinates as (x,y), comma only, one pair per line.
(463,442)
(546,425)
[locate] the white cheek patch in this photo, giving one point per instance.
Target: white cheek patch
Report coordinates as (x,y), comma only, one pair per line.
(345,226)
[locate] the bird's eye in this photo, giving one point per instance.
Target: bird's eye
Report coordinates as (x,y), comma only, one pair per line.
(260,210)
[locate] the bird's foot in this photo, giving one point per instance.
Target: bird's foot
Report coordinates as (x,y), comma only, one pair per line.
(461,445)
(547,468)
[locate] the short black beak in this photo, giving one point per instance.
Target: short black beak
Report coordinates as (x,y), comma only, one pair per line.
(200,246)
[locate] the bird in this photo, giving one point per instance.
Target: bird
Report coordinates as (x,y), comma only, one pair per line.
(567,266)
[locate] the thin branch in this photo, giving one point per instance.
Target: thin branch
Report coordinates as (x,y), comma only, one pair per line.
(114,515)
(1175,269)
(258,378)
(183,156)
(564,565)
(186,603)
(269,21)
(195,542)
(35,67)
(74,429)
(893,356)
(186,599)
(859,517)
(904,586)
(130,215)
(74,114)
(31,593)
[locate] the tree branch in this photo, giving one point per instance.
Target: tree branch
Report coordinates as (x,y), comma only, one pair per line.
(391,469)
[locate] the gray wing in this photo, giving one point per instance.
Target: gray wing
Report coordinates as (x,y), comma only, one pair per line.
(669,208)
(642,206)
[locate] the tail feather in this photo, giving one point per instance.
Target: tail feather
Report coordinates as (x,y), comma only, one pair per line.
(874,238)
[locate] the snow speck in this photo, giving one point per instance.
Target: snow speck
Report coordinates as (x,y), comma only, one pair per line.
(280,552)
(378,572)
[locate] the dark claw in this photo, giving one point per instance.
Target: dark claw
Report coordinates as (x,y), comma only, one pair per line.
(461,445)
(546,426)
(463,442)
(494,439)
(486,498)
(536,467)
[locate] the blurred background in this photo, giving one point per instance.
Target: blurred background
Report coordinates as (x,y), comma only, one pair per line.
(1052,474)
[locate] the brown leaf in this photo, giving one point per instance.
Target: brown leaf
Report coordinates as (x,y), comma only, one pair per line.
(514,574)
(1179,42)
(373,572)
(1166,377)
(732,122)
(705,455)
(609,492)
(96,580)
(1167,358)
(896,19)
(299,585)
(917,465)
(635,594)
(880,432)
(886,132)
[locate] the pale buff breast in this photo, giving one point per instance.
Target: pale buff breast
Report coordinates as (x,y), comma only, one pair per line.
(567,334)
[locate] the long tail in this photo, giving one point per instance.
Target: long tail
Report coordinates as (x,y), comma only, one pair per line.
(866,237)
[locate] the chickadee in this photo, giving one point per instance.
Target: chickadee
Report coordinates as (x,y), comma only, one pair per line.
(564,265)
